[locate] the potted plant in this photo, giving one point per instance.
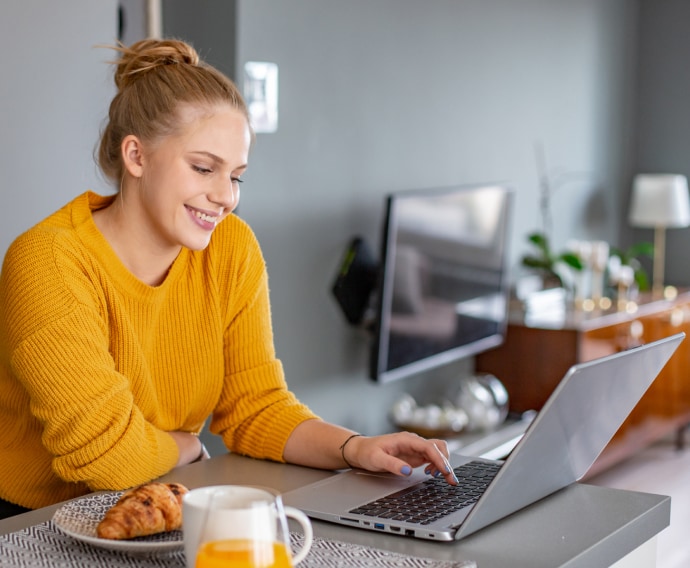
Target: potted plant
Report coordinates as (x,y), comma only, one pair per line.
(546,262)
(543,260)
(631,257)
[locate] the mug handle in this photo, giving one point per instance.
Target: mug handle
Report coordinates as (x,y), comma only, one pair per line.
(305,523)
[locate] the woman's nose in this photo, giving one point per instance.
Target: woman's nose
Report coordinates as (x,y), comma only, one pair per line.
(227,195)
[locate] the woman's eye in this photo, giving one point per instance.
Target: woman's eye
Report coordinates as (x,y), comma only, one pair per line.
(236,180)
(201,169)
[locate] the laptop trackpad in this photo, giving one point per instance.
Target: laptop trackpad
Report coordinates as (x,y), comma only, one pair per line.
(348,490)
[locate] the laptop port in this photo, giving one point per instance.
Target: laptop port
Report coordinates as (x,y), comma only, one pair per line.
(409,532)
(396,529)
(379,526)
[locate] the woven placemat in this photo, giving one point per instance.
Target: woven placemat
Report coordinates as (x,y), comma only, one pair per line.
(44,546)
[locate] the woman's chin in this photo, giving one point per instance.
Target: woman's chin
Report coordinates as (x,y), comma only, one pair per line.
(197,244)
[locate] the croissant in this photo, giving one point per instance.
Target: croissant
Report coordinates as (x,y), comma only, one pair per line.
(145,510)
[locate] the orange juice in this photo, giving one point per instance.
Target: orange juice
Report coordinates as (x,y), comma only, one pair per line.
(242,553)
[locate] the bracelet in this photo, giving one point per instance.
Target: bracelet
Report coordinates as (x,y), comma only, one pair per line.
(342,448)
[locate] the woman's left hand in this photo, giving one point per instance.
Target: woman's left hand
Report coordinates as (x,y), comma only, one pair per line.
(399,453)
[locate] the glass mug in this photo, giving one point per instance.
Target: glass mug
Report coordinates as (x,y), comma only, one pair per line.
(240,526)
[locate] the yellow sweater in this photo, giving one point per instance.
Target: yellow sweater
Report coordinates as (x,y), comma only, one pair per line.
(95,366)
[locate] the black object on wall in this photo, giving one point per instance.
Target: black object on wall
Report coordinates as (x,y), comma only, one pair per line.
(356,281)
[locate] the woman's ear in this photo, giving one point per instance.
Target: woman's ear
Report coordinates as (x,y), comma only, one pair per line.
(133,155)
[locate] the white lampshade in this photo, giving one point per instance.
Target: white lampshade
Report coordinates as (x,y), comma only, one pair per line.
(660,200)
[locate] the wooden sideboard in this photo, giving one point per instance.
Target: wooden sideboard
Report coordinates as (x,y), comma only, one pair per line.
(540,348)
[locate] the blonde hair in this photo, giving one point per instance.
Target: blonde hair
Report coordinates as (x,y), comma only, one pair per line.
(153,78)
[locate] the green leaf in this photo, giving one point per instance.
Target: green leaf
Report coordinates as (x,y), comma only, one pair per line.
(642,280)
(641,249)
(541,242)
(536,262)
(571,260)
(538,239)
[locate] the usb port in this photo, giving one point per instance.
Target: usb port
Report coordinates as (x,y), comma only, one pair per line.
(379,526)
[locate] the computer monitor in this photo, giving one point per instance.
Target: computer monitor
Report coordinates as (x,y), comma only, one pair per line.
(443,289)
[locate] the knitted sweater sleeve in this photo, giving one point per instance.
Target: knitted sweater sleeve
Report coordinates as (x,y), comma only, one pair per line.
(256,412)
(56,336)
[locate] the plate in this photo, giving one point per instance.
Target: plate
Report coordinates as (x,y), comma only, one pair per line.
(80,517)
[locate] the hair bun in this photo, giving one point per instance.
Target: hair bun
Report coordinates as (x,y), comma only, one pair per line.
(149,54)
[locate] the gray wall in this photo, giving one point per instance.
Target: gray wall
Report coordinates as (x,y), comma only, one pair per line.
(375,96)
(397,94)
(55,89)
(209,24)
(663,113)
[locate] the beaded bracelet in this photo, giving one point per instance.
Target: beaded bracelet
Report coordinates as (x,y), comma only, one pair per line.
(342,448)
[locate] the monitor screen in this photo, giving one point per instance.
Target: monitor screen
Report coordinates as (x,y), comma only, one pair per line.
(443,282)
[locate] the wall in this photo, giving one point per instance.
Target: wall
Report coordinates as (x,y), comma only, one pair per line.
(397,94)
(55,91)
(663,114)
(133,20)
(209,24)
(375,96)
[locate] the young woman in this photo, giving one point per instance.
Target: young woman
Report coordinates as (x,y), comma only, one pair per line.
(127,320)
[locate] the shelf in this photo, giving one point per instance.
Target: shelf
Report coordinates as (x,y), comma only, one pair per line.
(496,444)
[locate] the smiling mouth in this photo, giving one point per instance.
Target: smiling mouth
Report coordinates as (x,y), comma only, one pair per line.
(206,221)
(203,216)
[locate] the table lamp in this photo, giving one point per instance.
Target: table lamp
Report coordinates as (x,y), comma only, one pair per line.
(660,201)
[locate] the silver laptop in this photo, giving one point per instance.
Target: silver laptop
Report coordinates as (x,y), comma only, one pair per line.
(559,446)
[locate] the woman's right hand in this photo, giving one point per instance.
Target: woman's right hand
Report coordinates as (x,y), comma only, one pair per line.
(190,448)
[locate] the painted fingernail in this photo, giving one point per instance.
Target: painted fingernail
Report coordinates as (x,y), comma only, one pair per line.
(406,470)
(438,474)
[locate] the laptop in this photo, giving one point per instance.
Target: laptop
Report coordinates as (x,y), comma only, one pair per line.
(559,446)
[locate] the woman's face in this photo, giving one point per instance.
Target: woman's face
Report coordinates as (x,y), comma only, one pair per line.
(189,181)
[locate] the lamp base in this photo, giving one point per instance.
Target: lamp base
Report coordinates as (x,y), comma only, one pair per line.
(659,258)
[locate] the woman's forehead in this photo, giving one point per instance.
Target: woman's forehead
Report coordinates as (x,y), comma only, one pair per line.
(222,126)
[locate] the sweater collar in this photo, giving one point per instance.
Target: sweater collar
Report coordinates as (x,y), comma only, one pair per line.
(93,239)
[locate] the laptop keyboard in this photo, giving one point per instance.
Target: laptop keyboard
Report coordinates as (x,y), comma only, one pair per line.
(434,498)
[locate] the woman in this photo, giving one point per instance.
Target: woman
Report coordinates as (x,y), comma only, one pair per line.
(128,320)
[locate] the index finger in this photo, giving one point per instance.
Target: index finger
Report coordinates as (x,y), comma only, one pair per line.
(446,469)
(436,452)
(441,446)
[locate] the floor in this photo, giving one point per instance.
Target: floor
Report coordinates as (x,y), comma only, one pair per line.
(664,470)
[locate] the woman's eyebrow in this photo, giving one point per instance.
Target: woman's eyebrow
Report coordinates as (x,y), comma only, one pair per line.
(217,159)
(211,155)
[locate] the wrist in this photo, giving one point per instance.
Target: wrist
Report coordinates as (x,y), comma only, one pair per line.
(203,453)
(344,446)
